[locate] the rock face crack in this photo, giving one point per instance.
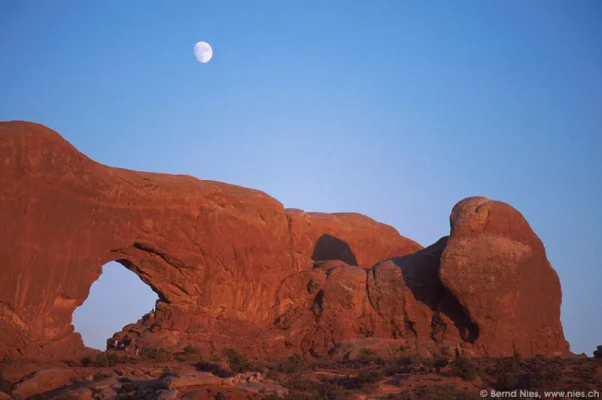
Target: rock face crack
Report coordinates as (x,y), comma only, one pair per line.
(166,257)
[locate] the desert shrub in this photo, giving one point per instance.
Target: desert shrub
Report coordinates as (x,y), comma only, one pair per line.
(464,368)
(360,381)
(542,373)
(70,363)
(447,392)
(102,360)
(303,385)
(238,362)
(154,353)
(507,373)
(439,362)
(517,358)
(190,353)
(598,352)
(149,352)
(128,387)
(87,362)
(293,364)
(190,349)
(369,356)
(167,372)
(306,389)
(114,359)
(5,385)
(215,369)
(441,358)
(402,365)
(163,354)
(400,396)
(101,375)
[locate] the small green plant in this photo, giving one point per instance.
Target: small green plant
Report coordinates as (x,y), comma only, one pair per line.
(148,352)
(464,368)
(598,352)
(167,372)
(87,362)
(448,392)
(238,362)
(507,372)
(517,358)
(439,362)
(360,381)
(368,356)
(190,349)
(215,369)
(441,358)
(293,364)
(402,365)
(101,375)
(307,389)
(128,387)
(542,373)
(102,360)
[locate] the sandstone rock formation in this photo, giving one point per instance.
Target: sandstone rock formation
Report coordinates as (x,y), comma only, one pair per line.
(233,268)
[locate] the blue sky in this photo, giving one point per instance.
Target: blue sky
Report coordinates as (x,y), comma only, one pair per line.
(396,109)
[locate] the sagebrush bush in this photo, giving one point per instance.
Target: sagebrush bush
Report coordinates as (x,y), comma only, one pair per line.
(190,349)
(238,362)
(215,369)
(464,368)
(542,373)
(360,381)
(154,353)
(293,364)
(369,356)
(402,365)
(507,373)
(447,392)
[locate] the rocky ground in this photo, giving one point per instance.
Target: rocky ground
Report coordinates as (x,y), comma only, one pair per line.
(188,376)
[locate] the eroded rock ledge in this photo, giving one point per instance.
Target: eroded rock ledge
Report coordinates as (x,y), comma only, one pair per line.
(234,268)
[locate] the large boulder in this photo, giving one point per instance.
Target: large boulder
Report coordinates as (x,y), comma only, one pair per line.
(496,267)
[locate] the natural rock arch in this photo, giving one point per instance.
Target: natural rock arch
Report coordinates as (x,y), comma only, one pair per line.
(228,261)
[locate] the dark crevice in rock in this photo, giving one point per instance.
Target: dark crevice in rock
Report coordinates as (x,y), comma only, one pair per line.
(166,257)
(421,275)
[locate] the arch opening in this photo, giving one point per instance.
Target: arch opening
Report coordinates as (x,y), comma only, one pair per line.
(117,298)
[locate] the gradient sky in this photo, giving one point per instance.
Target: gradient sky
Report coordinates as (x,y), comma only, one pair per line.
(394,109)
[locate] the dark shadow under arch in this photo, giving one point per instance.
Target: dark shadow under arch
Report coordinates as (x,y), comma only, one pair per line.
(328,247)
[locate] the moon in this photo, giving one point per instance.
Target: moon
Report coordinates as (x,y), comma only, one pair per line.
(203,52)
